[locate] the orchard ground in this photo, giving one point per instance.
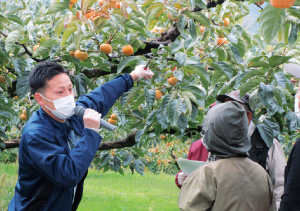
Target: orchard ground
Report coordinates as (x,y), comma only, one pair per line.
(109,190)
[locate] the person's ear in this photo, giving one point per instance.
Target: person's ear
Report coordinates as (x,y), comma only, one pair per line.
(249,116)
(38,98)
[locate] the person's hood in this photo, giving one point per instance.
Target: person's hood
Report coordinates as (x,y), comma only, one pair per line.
(226,131)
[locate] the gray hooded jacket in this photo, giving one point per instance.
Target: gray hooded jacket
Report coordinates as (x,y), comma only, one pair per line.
(224,138)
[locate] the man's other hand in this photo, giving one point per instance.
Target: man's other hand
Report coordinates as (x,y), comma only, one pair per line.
(91,119)
(181,177)
(140,72)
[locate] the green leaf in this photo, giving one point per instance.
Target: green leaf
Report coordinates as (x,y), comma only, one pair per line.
(188,104)
(181,58)
(151,117)
(190,96)
(138,151)
(274,61)
(222,55)
(127,61)
(266,133)
(16,19)
(70,30)
(281,79)
(147,3)
(295,12)
(260,64)
(192,4)
(253,1)
(127,159)
(181,23)
(224,68)
(236,54)
(153,12)
(201,4)
(76,39)
(135,26)
(138,166)
(279,96)
(182,122)
(292,121)
(150,97)
(247,37)
(271,21)
(57,7)
(199,17)
(176,46)
(132,4)
(45,48)
(11,39)
(3,18)
(132,93)
(19,65)
(266,95)
(173,113)
(251,84)
(5,114)
(59,26)
(138,114)
(3,135)
(117,163)
(100,23)
(23,85)
(138,135)
(286,32)
(80,84)
(192,29)
(165,102)
(254,100)
(194,111)
(249,74)
(293,35)
(233,37)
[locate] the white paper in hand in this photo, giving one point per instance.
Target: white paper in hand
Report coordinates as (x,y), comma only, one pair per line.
(188,166)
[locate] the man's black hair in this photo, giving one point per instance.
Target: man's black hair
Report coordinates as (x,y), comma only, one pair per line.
(43,72)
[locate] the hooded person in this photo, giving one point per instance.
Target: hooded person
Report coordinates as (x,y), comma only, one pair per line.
(230,181)
(271,158)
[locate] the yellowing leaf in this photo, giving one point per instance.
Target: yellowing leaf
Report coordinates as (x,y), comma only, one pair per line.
(177,6)
(102,14)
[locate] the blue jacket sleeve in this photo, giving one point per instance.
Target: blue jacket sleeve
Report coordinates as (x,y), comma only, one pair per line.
(64,169)
(104,97)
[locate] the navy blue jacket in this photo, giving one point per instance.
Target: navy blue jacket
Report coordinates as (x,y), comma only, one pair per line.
(290,198)
(48,169)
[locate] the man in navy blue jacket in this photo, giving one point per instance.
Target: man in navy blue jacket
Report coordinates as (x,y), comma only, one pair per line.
(57,147)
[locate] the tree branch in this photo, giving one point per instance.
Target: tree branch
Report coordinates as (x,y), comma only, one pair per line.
(129,141)
(26,50)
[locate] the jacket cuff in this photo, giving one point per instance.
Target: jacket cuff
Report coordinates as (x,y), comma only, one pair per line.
(95,136)
(128,79)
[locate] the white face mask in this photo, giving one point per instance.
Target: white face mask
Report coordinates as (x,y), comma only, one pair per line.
(296,106)
(64,106)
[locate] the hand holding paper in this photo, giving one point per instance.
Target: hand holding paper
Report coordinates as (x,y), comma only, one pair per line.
(188,166)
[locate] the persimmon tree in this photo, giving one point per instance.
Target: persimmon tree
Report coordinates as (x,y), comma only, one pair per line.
(197,50)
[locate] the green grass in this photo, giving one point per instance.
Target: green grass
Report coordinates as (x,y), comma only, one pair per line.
(8,179)
(111,191)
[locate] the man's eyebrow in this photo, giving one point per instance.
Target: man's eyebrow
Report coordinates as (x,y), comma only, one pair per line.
(70,84)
